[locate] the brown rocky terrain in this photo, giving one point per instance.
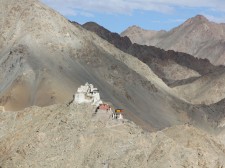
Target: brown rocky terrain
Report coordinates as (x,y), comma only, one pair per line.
(197,36)
(205,90)
(173,67)
(197,80)
(73,136)
(44,58)
(45,61)
(141,36)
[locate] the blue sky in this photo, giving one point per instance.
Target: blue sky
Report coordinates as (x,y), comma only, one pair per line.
(117,15)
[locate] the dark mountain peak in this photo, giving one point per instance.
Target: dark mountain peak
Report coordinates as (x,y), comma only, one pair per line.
(120,42)
(92,24)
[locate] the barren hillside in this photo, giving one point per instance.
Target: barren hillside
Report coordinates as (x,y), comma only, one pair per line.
(62,136)
(197,36)
(172,67)
(45,61)
(207,89)
(44,58)
(197,80)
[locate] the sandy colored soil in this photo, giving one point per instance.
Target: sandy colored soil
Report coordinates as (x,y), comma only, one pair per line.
(62,136)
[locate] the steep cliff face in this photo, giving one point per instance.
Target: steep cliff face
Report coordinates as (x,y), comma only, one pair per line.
(197,36)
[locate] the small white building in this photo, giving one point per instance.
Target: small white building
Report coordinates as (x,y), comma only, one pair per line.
(87,94)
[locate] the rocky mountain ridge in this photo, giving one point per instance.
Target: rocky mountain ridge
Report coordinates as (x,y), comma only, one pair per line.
(158,60)
(196,36)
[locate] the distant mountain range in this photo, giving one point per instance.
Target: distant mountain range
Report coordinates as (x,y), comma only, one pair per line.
(172,67)
(197,36)
(196,79)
